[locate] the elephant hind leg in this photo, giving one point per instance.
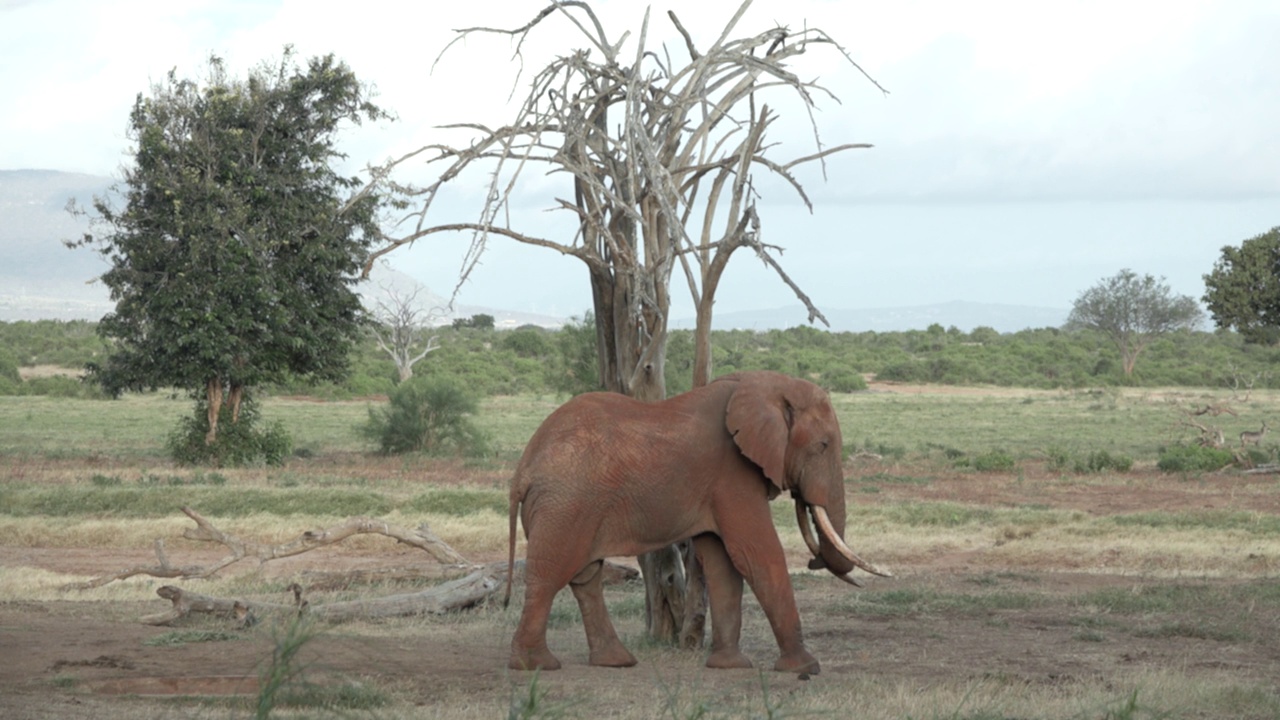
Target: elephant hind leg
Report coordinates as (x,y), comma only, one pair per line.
(724,585)
(606,649)
(529,649)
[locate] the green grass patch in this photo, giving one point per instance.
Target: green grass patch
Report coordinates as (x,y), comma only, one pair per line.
(910,602)
(1250,522)
(459,502)
(950,515)
(888,478)
(164,501)
(347,696)
(1193,630)
(175,638)
(1148,599)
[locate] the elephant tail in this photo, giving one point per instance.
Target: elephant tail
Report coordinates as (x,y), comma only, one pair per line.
(514,509)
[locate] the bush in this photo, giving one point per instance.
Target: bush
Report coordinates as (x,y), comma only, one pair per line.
(1061,460)
(993,461)
(9,367)
(843,381)
(238,443)
(1193,458)
(427,415)
(1101,461)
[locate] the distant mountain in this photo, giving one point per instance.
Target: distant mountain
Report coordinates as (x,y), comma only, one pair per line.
(963,315)
(42,279)
(39,276)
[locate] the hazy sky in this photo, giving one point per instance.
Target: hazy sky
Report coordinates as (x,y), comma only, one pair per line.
(1025,151)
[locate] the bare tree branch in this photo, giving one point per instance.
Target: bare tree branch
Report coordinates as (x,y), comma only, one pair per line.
(421,538)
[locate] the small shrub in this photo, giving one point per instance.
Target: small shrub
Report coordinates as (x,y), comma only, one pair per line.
(237,443)
(427,415)
(1193,458)
(843,381)
(9,367)
(100,480)
(993,461)
(1102,461)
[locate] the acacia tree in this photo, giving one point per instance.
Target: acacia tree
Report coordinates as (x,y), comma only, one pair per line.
(661,155)
(234,256)
(1243,291)
(1133,312)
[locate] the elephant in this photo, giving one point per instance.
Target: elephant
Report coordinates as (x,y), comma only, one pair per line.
(606,475)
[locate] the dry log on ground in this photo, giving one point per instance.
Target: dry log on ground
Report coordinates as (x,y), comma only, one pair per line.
(420,537)
(462,593)
(451,596)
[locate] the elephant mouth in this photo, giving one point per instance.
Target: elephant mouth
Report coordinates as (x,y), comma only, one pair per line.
(803,509)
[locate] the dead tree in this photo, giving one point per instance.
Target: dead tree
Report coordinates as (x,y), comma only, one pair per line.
(660,153)
(1241,381)
(402,329)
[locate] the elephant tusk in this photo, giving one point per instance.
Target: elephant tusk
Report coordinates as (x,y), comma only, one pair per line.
(850,580)
(806,529)
(824,524)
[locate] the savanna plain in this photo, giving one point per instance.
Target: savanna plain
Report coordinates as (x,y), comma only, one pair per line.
(1030,580)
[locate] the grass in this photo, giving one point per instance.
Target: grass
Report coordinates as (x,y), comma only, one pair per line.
(175,638)
(82,474)
(1023,424)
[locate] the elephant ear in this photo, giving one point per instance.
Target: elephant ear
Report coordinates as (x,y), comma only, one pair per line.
(759,419)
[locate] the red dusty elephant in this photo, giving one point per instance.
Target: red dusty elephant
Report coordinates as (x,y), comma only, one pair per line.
(607,476)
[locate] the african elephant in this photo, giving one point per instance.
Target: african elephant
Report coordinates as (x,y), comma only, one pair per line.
(606,475)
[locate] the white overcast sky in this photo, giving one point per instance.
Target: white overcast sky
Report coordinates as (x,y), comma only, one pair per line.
(1025,151)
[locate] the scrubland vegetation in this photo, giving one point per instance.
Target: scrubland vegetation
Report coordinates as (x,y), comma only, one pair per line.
(1047,567)
(540,361)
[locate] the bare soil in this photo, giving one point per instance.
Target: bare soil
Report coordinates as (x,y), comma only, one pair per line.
(69,658)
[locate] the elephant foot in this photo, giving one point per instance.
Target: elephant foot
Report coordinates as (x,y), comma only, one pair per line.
(533,660)
(614,656)
(728,659)
(798,662)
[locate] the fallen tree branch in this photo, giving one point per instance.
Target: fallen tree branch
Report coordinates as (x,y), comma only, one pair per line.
(454,595)
(1269,469)
(420,537)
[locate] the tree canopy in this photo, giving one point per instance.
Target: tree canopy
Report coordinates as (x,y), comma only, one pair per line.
(1243,291)
(1133,311)
(234,256)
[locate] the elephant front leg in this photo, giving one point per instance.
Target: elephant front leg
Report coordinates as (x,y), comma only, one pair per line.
(761,560)
(724,586)
(602,640)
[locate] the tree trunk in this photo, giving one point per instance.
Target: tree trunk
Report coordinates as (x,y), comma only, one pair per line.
(234,397)
(213,394)
(632,354)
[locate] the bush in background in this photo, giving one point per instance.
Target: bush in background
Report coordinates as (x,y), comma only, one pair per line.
(1194,458)
(430,415)
(238,443)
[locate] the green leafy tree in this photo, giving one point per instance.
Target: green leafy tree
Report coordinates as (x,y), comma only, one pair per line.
(577,370)
(1243,291)
(1133,312)
(234,256)
(480,321)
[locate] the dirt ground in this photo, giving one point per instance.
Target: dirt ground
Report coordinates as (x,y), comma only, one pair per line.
(71,659)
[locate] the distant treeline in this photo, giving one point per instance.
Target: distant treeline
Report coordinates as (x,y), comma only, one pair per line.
(535,360)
